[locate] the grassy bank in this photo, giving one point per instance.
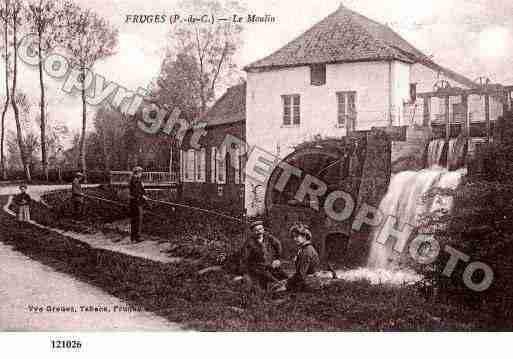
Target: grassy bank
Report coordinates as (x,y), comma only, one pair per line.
(213,301)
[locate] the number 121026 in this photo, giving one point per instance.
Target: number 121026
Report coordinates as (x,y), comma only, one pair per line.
(66,344)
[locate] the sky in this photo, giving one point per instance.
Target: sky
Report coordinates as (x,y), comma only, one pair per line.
(472,37)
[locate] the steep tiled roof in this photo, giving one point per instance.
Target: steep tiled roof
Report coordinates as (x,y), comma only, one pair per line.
(346,36)
(231,107)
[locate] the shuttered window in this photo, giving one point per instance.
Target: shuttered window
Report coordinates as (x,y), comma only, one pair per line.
(318,74)
(190,166)
(221,166)
(347,114)
(213,164)
(200,165)
(291,109)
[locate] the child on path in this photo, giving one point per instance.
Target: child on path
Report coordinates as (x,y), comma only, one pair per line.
(22,200)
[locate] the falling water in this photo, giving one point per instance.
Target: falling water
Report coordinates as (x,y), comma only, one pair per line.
(435,152)
(455,152)
(404,201)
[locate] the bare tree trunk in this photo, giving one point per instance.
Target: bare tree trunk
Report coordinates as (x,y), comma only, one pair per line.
(82,155)
(3,169)
(23,153)
(44,154)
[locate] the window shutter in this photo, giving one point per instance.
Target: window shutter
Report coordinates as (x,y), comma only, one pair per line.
(221,166)
(318,74)
(237,165)
(296,109)
(351,109)
(203,165)
(190,166)
(286,109)
(213,165)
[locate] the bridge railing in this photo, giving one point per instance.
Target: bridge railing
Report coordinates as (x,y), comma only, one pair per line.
(148,178)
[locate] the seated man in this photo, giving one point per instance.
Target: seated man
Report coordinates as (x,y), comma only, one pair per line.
(260,256)
(307,259)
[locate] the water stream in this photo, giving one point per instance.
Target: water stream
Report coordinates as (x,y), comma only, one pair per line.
(405,200)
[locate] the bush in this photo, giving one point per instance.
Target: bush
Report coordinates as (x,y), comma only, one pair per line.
(481,226)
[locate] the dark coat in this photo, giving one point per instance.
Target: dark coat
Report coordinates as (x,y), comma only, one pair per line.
(137,192)
(76,190)
(256,255)
(22,199)
(307,262)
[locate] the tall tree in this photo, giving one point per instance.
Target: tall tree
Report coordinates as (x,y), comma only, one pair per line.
(17,8)
(5,12)
(176,85)
(88,38)
(30,146)
(211,46)
(42,18)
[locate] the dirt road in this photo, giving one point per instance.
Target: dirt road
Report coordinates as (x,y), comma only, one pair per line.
(28,287)
(34,296)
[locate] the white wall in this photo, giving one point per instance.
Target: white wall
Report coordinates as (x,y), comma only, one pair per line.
(318,103)
(264,110)
(380,86)
(401,91)
(426,78)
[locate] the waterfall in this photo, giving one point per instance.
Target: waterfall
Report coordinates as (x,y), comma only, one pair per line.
(435,152)
(455,153)
(404,201)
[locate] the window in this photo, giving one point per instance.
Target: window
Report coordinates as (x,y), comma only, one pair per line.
(346,102)
(318,74)
(237,165)
(189,165)
(221,166)
(243,160)
(291,110)
(200,165)
(413,92)
(213,164)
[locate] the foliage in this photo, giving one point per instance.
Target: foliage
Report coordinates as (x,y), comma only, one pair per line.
(87,37)
(481,226)
(204,50)
(214,301)
(42,19)
(177,85)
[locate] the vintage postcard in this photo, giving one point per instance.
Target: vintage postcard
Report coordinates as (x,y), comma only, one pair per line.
(256,166)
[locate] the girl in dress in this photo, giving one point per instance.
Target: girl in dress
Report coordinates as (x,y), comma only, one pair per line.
(23,201)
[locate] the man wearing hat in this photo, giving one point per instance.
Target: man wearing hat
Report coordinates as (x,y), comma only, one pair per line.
(137,201)
(77,196)
(261,256)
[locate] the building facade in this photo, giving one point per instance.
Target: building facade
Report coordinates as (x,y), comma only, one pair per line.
(347,73)
(208,174)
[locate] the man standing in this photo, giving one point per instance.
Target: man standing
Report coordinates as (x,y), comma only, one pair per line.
(260,256)
(77,196)
(137,201)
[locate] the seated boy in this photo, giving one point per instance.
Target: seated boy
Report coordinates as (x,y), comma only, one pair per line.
(307,260)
